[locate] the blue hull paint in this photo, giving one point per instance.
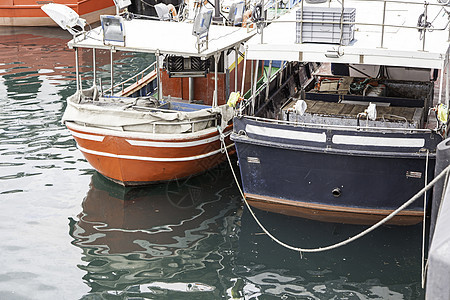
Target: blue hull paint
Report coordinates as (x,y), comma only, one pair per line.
(345,177)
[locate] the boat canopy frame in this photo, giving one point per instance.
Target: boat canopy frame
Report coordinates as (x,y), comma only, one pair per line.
(163,42)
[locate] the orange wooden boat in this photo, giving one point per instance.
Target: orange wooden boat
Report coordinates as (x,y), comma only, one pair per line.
(29,13)
(170,122)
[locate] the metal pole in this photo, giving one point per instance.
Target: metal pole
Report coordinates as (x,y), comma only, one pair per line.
(216,66)
(227,75)
(448,39)
(424,25)
(382,25)
(217,17)
(342,23)
(251,75)
(243,72)
(112,72)
(276,9)
(281,73)
(446,85)
(269,74)
(236,62)
(441,80)
(158,76)
(255,83)
(94,66)
(191,89)
(77,69)
(301,23)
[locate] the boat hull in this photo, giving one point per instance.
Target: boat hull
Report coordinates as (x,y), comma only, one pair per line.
(133,158)
(29,12)
(314,178)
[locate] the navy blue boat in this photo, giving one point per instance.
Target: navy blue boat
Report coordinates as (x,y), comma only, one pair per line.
(346,129)
(333,164)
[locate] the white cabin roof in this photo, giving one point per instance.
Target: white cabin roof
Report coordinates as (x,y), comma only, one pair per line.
(401,46)
(166,37)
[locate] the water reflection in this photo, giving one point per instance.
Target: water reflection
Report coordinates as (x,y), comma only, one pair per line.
(166,239)
(191,239)
(383,265)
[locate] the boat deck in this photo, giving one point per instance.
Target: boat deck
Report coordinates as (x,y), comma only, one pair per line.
(396,43)
(347,114)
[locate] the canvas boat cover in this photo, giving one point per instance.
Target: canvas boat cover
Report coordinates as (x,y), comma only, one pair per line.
(138,115)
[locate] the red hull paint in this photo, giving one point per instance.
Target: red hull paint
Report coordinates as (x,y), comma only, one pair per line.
(29,12)
(137,161)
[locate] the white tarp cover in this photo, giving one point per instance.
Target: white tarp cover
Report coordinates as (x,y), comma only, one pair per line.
(117,114)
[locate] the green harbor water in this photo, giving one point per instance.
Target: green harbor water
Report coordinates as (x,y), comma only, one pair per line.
(68,233)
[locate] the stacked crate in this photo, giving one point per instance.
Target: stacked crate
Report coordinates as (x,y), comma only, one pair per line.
(313,25)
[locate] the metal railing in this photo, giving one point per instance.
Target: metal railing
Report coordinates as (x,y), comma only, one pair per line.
(250,107)
(132,80)
(423,27)
(339,127)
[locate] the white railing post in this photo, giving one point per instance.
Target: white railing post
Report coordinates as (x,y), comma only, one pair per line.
(94,66)
(77,71)
(112,71)
(158,76)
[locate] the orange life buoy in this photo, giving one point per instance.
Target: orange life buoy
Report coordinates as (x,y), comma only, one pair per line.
(172,10)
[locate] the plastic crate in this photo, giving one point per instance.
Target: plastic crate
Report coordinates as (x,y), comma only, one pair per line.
(329,33)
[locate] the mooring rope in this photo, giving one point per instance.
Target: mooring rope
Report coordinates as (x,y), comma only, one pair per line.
(344,242)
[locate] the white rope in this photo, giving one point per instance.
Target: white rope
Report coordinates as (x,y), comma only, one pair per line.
(342,243)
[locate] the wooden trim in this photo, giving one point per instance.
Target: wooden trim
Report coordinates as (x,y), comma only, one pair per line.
(330,213)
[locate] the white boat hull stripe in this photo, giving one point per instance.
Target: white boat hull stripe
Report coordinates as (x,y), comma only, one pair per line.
(144,158)
(173,144)
(84,136)
(99,138)
(287,134)
(378,141)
